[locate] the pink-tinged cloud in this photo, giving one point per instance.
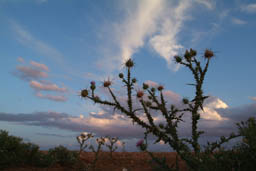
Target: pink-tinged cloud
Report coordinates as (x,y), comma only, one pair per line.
(47,87)
(20,59)
(58,98)
(253,98)
(28,73)
(39,66)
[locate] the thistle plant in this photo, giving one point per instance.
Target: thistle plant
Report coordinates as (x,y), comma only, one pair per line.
(81,139)
(111,146)
(100,141)
(123,146)
(152,100)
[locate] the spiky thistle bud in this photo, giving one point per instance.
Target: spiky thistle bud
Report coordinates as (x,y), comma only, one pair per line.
(96,98)
(134,80)
(187,55)
(121,75)
(193,52)
(84,93)
(161,125)
(129,63)
(148,103)
(93,85)
(185,100)
(208,54)
(153,89)
(145,86)
(178,59)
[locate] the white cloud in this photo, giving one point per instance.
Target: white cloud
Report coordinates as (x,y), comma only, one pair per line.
(238,21)
(250,8)
(210,107)
(165,43)
(139,24)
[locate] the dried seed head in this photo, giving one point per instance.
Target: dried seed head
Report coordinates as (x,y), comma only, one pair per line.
(134,80)
(107,83)
(208,54)
(160,88)
(145,86)
(140,94)
(153,89)
(129,63)
(84,93)
(121,75)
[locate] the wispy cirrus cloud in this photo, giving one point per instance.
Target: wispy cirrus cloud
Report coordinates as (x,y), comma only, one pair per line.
(238,21)
(28,40)
(249,8)
(156,24)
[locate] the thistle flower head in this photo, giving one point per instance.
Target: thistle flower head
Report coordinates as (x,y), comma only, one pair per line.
(84,93)
(140,94)
(93,85)
(107,83)
(129,63)
(160,88)
(139,143)
(208,54)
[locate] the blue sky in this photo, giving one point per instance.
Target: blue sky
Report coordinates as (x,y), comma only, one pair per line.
(51,49)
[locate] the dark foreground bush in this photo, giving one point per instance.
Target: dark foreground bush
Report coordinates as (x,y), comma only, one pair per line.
(63,156)
(15,153)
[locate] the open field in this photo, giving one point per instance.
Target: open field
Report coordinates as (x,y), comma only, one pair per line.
(132,161)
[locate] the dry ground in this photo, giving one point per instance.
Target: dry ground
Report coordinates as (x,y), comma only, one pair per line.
(132,161)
